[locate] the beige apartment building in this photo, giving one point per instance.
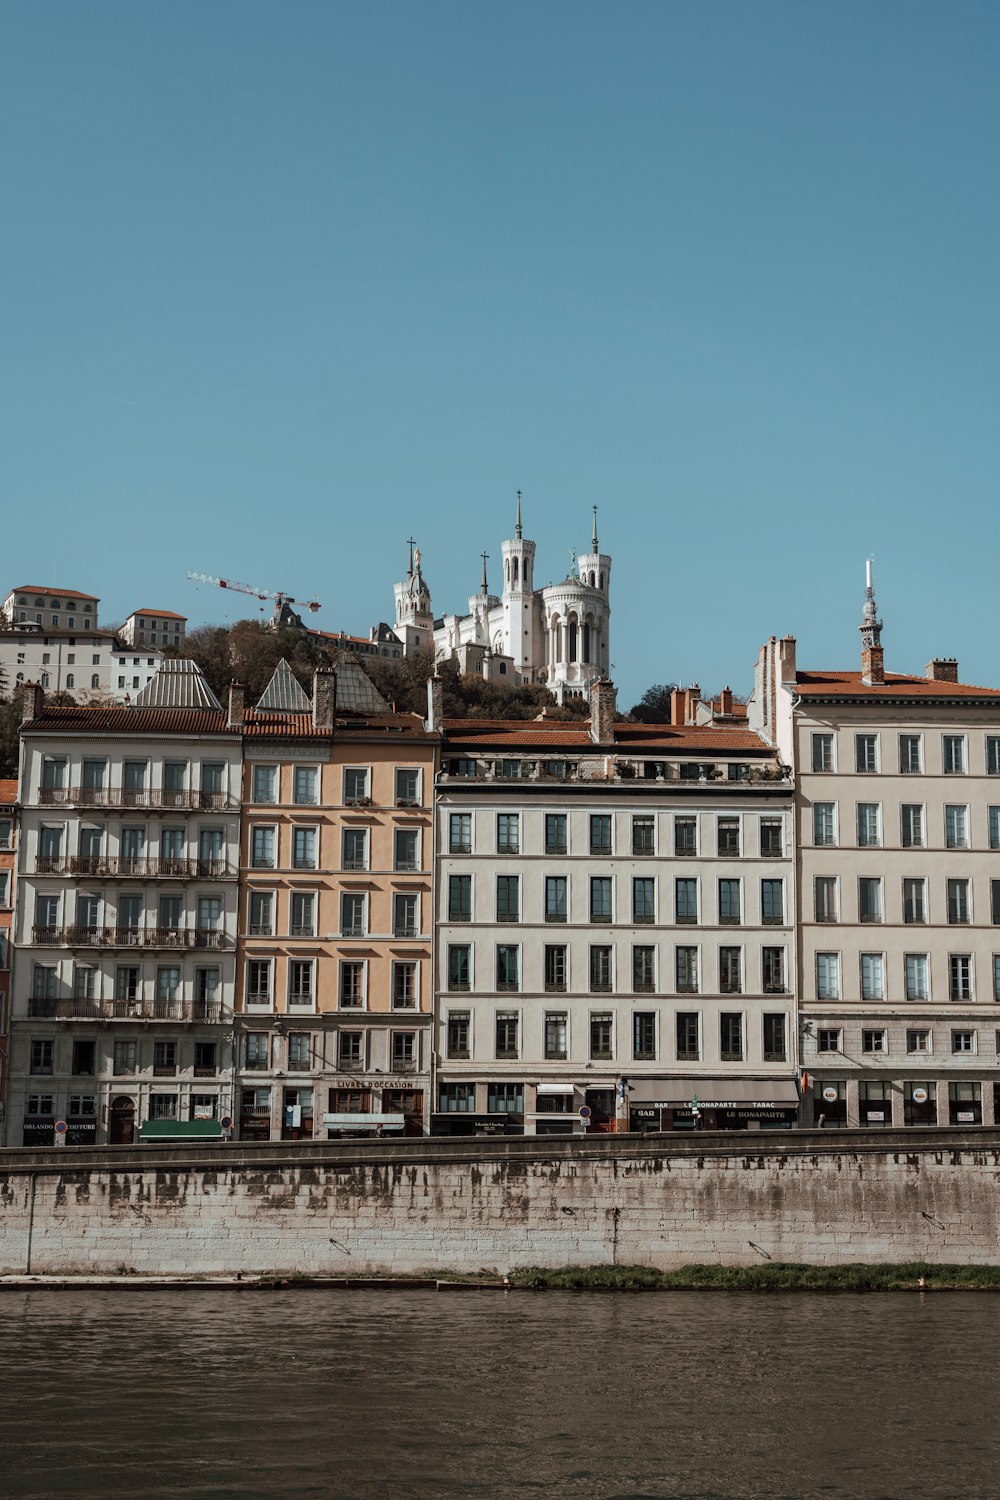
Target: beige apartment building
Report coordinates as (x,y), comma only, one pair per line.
(335,911)
(898,813)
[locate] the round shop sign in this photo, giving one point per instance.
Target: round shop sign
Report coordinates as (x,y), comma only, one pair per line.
(919,1095)
(830,1094)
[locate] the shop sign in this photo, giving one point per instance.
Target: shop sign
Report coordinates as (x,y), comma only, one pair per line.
(919,1095)
(967,1117)
(81,1133)
(255,1129)
(38,1130)
(876,1116)
(204,1112)
(830,1094)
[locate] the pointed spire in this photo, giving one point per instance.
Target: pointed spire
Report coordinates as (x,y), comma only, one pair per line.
(517,529)
(871,625)
(596,548)
(409,566)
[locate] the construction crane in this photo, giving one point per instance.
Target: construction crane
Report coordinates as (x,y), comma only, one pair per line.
(278,595)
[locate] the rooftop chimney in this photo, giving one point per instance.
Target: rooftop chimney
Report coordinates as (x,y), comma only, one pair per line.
(32,698)
(435,704)
(602,712)
(726,701)
(692,697)
(943,669)
(237,705)
(872,665)
(677,705)
(324,698)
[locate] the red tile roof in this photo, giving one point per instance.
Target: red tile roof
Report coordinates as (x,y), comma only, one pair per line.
(40,588)
(149,721)
(8,790)
(161,614)
(896,685)
(268,724)
(569,735)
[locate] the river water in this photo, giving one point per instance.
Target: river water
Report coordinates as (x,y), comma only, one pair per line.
(347,1395)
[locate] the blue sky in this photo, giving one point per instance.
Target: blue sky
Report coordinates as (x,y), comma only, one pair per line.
(286,281)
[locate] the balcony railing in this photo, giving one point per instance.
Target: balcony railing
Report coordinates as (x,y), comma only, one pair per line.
(124,867)
(129,937)
(123,796)
(73,1008)
(404,930)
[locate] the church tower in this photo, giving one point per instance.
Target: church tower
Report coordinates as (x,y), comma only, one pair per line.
(414,620)
(595,565)
(518,640)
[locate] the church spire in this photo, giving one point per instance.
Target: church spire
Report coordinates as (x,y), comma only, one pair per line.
(409,566)
(484,588)
(871,625)
(517,528)
(596,548)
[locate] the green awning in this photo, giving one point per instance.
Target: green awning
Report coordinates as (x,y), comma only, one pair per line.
(180,1130)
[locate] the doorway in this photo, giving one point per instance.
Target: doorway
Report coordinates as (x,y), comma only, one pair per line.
(121,1123)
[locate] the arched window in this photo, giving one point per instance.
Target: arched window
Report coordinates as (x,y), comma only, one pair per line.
(506,569)
(572,640)
(513,570)
(70,680)
(20,677)
(586,643)
(591,578)
(45,679)
(95,681)
(602,580)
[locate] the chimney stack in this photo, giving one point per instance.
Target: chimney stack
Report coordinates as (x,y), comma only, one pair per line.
(943,669)
(726,701)
(237,705)
(677,701)
(602,712)
(872,665)
(435,704)
(324,699)
(32,698)
(692,698)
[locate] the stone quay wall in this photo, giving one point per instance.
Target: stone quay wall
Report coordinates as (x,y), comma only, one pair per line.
(469,1206)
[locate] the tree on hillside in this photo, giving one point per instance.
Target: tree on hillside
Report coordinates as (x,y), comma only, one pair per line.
(654,705)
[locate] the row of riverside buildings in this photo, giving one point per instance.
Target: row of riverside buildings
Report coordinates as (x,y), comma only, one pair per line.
(312,916)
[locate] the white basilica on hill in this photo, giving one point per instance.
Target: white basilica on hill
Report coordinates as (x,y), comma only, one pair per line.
(556,635)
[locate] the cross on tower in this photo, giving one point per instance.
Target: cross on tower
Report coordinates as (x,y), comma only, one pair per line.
(484,556)
(410,541)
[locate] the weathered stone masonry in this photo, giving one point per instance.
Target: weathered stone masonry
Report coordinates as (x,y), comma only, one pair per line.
(468,1205)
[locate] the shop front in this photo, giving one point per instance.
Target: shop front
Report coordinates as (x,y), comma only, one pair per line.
(712,1104)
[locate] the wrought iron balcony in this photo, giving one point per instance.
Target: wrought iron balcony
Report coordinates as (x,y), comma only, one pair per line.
(125,867)
(123,796)
(75,1008)
(129,937)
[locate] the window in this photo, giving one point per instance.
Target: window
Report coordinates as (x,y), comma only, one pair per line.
(828,1039)
(994,825)
(258,1050)
(508,833)
(305,781)
(602,1047)
(953,747)
(828,976)
(464,766)
(643,901)
(729,903)
(728,837)
(84,1058)
(554,960)
(41,1057)
(775,1044)
(731,971)
(262,846)
(600,898)
(124,1058)
(958,902)
(205,1059)
(95,680)
(600,970)
(686,901)
(300,981)
(956,827)
(993,754)
(508,898)
(303,914)
(827,898)
(822,752)
(824,823)
(870,899)
(995,901)
(686,970)
(162,1106)
(507,966)
(772,903)
(912,825)
(872,976)
(506,1034)
(555,898)
(915,969)
(685,837)
(459,966)
(644,1035)
(772,841)
(265,784)
(164,1059)
(355,849)
(772,962)
(960,976)
(352,984)
(70,679)
(460,833)
(349,1049)
(918,1040)
(914,900)
(866,752)
(731,1035)
(505,1098)
(556,1036)
(209,919)
(963,1041)
(910,754)
(600,833)
(460,898)
(304,843)
(356,784)
(259,981)
(407,786)
(869,825)
(352,914)
(643,835)
(873,1041)
(404,986)
(555,833)
(458,1034)
(996,978)
(643,969)
(460,1097)
(213,775)
(405,923)
(6,830)
(405,849)
(688,1036)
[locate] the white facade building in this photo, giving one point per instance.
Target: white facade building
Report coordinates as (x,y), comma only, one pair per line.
(557,635)
(83,664)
